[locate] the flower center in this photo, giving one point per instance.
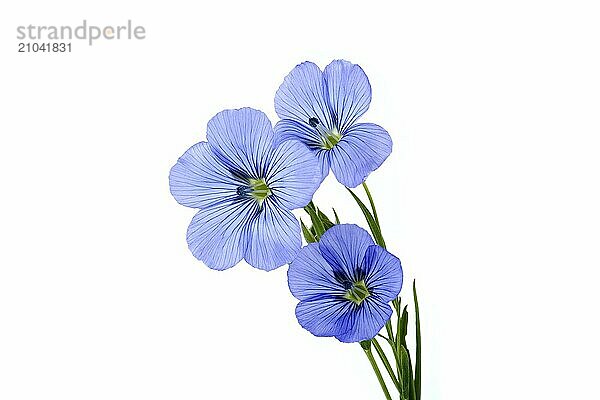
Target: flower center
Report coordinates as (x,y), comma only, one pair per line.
(330,139)
(257,189)
(357,293)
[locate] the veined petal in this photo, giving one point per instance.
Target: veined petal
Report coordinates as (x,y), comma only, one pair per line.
(293,175)
(302,96)
(310,276)
(384,273)
(323,157)
(344,247)
(218,235)
(320,316)
(243,140)
(349,92)
(274,238)
(200,180)
(360,151)
(288,129)
(364,321)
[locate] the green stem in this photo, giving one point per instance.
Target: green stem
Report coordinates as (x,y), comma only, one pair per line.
(374,209)
(417,380)
(389,329)
(364,184)
(383,337)
(373,225)
(386,362)
(369,355)
(398,309)
(404,366)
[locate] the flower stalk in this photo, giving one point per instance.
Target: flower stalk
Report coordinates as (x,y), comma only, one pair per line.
(366,346)
(405,378)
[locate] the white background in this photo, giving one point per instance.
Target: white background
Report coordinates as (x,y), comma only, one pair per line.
(490,199)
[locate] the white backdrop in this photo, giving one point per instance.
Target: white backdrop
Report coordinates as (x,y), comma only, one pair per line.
(490,198)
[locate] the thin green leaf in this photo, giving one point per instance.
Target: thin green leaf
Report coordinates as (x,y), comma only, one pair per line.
(311,205)
(396,348)
(390,342)
(368,192)
(412,381)
(370,220)
(383,337)
(397,306)
(402,327)
(418,356)
(325,219)
(396,303)
(389,330)
(317,224)
(405,377)
(337,219)
(308,236)
(386,362)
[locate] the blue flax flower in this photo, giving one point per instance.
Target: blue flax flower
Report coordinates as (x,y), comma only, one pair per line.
(344,283)
(320,109)
(245,187)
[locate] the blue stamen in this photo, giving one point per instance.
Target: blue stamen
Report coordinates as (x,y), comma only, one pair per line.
(243,190)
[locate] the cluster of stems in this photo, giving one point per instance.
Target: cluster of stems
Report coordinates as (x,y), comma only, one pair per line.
(404,378)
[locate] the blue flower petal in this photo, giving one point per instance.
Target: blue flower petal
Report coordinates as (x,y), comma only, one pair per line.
(274,238)
(293,175)
(363,322)
(302,96)
(344,247)
(288,130)
(349,92)
(323,157)
(243,140)
(199,180)
(384,273)
(310,276)
(217,235)
(360,151)
(321,316)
